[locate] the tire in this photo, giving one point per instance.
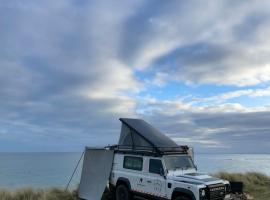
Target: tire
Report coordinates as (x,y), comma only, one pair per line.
(182,198)
(122,193)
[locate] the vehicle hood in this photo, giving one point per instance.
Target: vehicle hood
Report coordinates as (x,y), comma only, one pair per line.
(194,178)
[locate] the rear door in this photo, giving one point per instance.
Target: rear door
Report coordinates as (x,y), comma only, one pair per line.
(132,170)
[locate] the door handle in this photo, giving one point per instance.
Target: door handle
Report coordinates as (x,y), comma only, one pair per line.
(149,181)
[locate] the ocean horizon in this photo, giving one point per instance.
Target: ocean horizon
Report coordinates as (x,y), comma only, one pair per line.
(54,169)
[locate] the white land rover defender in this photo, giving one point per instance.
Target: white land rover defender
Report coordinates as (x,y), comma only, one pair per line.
(147,164)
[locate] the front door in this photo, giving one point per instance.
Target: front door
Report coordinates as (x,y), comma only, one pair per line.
(155,180)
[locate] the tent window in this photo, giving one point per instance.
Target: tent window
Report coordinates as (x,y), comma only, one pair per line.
(134,163)
(155,166)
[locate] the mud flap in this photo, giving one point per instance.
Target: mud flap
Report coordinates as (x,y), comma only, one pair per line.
(96,171)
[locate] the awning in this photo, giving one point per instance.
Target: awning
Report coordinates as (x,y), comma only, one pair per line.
(95,173)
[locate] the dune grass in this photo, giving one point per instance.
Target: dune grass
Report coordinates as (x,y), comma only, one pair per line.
(255,184)
(31,194)
(40,194)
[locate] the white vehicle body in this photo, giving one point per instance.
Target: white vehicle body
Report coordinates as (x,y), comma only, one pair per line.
(168,184)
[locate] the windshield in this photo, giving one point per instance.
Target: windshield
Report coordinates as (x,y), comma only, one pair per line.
(178,162)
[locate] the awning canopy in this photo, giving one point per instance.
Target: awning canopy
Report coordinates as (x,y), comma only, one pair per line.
(96,171)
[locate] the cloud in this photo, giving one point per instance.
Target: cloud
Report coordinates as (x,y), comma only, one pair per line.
(69,70)
(61,79)
(225,46)
(204,64)
(221,98)
(217,132)
(223,128)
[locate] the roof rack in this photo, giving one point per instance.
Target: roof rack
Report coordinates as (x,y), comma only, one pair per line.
(145,150)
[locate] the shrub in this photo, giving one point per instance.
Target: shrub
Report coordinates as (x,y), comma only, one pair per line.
(256,184)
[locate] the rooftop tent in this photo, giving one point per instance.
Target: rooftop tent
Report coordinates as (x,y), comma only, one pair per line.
(138,134)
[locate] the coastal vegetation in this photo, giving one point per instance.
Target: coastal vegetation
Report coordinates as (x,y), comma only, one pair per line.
(38,194)
(255,184)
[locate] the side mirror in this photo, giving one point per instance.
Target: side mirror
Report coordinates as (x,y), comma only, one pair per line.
(162,173)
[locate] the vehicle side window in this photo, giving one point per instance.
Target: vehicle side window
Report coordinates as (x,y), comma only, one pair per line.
(135,163)
(155,166)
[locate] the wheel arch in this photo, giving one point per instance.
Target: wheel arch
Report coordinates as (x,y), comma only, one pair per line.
(125,181)
(184,192)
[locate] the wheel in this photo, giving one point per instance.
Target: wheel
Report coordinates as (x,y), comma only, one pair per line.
(182,198)
(122,193)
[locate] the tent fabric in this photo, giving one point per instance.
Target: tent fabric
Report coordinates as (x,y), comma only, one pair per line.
(125,137)
(129,138)
(138,133)
(95,173)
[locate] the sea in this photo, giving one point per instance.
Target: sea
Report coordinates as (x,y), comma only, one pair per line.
(46,170)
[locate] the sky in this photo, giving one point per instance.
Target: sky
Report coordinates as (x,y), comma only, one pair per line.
(197,70)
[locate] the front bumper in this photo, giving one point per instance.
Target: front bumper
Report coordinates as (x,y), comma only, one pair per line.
(228,197)
(215,192)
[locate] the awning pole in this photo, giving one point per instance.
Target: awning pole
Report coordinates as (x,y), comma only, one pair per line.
(74,171)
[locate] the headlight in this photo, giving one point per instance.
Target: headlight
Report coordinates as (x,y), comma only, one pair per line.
(203,193)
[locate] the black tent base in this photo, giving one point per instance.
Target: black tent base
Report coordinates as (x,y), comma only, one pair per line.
(142,150)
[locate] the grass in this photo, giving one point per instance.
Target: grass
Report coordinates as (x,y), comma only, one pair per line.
(256,184)
(30,194)
(39,194)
